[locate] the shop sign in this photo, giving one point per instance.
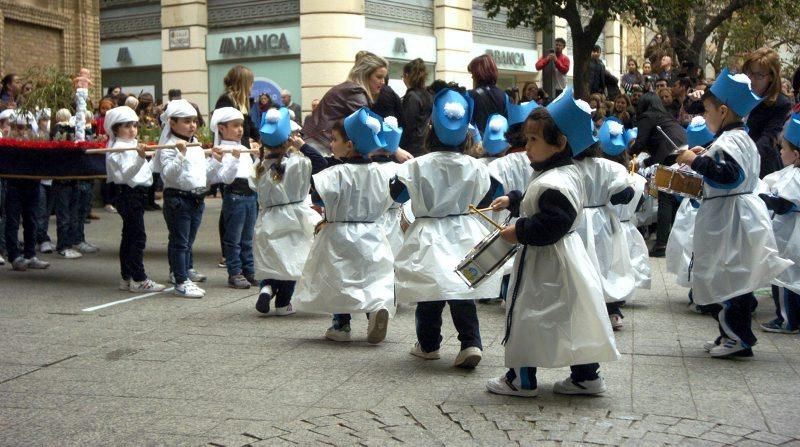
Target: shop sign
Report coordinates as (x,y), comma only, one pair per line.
(403,46)
(254,44)
(179,38)
(507,57)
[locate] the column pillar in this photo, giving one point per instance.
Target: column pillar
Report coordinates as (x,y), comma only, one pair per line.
(330,37)
(452,26)
(185,68)
(613,47)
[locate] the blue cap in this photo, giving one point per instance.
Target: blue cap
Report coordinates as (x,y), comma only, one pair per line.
(697,134)
(363,128)
(452,112)
(791,132)
(391,135)
(734,91)
(275,127)
(573,121)
(494,135)
(630,135)
(518,113)
(476,134)
(612,136)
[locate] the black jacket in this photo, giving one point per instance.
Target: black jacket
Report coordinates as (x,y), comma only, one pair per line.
(488,99)
(417,106)
(764,125)
(597,76)
(250,130)
(389,104)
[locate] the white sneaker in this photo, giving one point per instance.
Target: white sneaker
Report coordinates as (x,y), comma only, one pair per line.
(110,209)
(70,254)
(86,248)
(188,290)
(285,310)
(196,276)
(500,385)
(567,386)
(342,334)
(468,357)
(124,285)
(46,247)
(731,348)
(376,328)
(616,322)
(148,285)
(711,344)
(2,260)
(19,264)
(417,351)
(172,278)
(35,263)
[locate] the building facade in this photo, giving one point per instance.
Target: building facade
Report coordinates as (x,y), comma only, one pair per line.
(305,46)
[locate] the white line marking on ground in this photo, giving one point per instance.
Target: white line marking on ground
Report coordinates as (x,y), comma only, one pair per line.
(102,306)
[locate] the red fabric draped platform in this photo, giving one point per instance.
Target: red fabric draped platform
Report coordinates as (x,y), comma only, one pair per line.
(50,159)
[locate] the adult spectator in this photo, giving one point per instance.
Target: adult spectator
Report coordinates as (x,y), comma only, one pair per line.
(632,78)
(597,79)
(530,92)
(174,94)
(389,104)
(623,110)
(557,64)
(650,113)
(361,89)
(417,107)
(765,122)
(10,90)
(259,108)
(314,104)
(681,88)
(649,77)
(286,97)
(665,69)
(146,111)
(488,97)
(238,83)
(115,93)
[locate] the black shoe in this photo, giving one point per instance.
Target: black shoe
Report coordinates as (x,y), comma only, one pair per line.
(262,305)
(658,251)
(153,207)
(252,280)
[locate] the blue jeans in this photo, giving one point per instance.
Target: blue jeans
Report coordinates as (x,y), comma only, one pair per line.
(47,202)
(130,204)
(429,323)
(239,220)
(66,199)
(21,204)
(183,216)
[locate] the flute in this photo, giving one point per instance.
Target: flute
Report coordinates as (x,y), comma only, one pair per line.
(110,150)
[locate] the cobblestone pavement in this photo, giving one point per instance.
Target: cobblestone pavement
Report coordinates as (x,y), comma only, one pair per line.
(160,370)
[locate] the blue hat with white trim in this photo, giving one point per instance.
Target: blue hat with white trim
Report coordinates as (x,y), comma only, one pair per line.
(518,113)
(735,92)
(791,132)
(452,112)
(275,127)
(391,134)
(494,135)
(612,136)
(697,134)
(574,119)
(630,135)
(363,128)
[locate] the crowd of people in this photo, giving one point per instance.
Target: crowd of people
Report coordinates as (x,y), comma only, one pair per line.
(373,202)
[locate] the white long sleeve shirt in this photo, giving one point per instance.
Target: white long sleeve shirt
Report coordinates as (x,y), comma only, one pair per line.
(186,172)
(233,168)
(128,168)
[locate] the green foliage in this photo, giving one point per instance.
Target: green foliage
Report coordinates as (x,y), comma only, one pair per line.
(52,89)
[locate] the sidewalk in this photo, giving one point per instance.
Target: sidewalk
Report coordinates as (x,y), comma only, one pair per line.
(166,371)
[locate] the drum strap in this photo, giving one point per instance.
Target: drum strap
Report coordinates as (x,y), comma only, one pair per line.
(283,204)
(595,206)
(623,221)
(352,221)
(517,281)
(729,195)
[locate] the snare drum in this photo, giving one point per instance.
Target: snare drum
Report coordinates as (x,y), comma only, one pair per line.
(675,181)
(485,259)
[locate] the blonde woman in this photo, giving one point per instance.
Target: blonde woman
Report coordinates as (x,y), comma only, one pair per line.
(361,89)
(238,83)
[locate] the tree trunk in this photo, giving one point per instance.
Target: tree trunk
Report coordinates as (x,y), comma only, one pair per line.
(582,53)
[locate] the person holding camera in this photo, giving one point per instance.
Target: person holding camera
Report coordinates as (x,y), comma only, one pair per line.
(560,62)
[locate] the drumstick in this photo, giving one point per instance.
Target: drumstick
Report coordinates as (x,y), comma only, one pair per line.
(668,138)
(109,150)
(474,209)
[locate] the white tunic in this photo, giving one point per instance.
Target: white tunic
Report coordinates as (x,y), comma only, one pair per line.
(600,229)
(284,228)
(350,268)
(558,317)
(441,186)
(128,168)
(680,248)
(787,227)
(232,167)
(390,220)
(637,247)
(734,247)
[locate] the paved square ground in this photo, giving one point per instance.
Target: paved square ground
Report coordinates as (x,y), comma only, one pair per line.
(160,370)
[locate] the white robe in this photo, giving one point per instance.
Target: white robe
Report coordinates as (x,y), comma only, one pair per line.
(441,186)
(284,228)
(787,226)
(680,248)
(558,316)
(350,268)
(600,229)
(734,247)
(390,220)
(637,247)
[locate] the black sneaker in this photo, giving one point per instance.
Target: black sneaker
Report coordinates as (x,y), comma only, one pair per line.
(252,280)
(658,251)
(264,297)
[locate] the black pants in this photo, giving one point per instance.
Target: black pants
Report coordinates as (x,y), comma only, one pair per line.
(527,375)
(667,207)
(151,192)
(614,308)
(21,205)
(109,193)
(734,318)
(429,323)
(130,204)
